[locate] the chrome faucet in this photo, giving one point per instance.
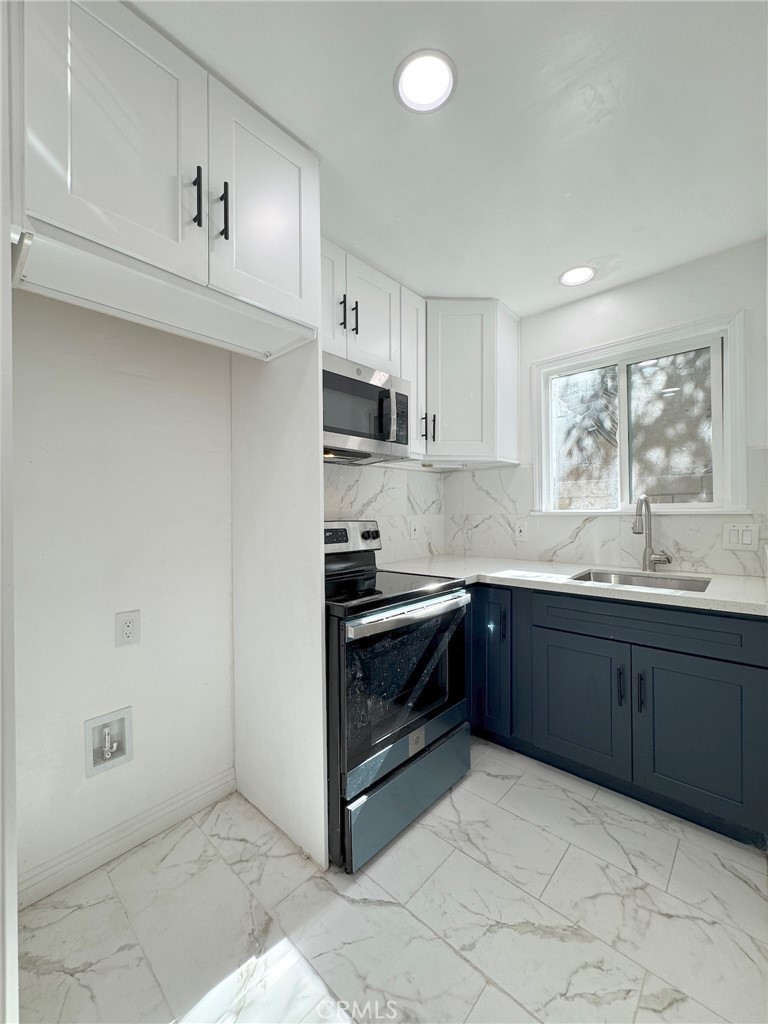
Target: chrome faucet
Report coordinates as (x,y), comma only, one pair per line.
(650,558)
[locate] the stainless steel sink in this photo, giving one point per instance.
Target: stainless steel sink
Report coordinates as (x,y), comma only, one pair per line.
(653,580)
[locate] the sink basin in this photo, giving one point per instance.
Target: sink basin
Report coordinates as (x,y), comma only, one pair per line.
(653,580)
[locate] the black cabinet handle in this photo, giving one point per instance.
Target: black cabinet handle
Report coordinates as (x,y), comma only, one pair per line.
(356,311)
(224,197)
(198,183)
(424,435)
(640,692)
(343,305)
(620,686)
(504,625)
(434,425)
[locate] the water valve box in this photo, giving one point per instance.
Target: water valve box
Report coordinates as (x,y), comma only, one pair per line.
(108,741)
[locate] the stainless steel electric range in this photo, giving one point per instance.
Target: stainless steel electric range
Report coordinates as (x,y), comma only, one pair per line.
(398,736)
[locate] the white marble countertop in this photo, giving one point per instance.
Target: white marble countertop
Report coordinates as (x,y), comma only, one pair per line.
(742,595)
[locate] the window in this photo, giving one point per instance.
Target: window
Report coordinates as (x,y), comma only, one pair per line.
(585,420)
(669,406)
(662,416)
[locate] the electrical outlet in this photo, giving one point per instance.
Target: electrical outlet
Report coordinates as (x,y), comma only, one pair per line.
(127,628)
(521,530)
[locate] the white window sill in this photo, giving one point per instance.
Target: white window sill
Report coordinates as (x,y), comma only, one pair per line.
(657,510)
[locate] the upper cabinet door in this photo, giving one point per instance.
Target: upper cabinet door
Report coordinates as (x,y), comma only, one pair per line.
(373,317)
(461,386)
(270,213)
(413,342)
(115,131)
(333,278)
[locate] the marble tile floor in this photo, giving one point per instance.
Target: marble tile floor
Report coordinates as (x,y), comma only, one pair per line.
(525,894)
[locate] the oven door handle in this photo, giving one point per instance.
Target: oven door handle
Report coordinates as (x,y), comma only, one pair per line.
(371,625)
(392,415)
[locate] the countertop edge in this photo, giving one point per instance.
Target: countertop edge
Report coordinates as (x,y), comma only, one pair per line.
(552,577)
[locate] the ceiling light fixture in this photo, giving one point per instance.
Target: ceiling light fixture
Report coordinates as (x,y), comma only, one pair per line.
(425,80)
(577,275)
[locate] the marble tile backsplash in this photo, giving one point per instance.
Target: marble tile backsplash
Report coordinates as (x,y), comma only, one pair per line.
(483,508)
(408,505)
(475,512)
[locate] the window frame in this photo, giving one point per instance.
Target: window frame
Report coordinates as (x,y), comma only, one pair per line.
(726,339)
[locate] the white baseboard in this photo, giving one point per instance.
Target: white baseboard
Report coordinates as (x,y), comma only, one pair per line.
(95,853)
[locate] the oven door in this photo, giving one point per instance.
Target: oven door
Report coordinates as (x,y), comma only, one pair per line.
(403,667)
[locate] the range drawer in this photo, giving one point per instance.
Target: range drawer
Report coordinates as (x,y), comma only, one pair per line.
(726,637)
(374,819)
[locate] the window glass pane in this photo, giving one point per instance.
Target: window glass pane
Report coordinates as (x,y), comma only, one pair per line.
(585,412)
(670,429)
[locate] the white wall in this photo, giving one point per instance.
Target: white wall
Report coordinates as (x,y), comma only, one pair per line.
(723,283)
(9,959)
(277,506)
(484,507)
(123,482)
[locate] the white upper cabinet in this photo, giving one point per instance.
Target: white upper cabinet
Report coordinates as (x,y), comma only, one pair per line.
(373,317)
(153,192)
(333,332)
(264,210)
(116,130)
(472,380)
(413,340)
(360,311)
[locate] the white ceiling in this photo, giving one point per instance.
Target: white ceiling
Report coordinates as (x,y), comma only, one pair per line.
(630,136)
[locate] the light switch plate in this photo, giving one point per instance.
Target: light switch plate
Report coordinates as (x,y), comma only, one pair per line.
(740,536)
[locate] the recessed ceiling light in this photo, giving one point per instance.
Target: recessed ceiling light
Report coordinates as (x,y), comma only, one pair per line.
(425,80)
(577,275)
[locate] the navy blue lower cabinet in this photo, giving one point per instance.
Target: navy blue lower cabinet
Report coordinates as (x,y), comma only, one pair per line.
(700,733)
(490,660)
(582,706)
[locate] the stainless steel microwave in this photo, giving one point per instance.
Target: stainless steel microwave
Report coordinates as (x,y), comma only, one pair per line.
(365,413)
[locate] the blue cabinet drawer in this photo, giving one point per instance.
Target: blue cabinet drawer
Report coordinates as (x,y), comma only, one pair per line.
(725,637)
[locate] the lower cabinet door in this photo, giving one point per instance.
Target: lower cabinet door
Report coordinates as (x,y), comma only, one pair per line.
(581,700)
(700,730)
(491,660)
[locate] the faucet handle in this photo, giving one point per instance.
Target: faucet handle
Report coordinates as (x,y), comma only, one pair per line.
(662,558)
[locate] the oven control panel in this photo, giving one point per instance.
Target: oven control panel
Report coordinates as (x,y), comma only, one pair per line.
(358,535)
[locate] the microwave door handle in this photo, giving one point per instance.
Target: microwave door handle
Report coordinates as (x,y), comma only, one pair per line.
(392,415)
(375,624)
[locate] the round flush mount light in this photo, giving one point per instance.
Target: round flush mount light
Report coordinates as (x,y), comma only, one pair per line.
(577,275)
(425,80)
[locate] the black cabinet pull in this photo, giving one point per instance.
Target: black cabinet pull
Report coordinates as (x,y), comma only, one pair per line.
(343,305)
(504,625)
(434,425)
(424,435)
(640,691)
(620,686)
(198,183)
(356,311)
(224,197)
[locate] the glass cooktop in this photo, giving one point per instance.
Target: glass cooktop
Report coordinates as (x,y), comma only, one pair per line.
(349,595)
